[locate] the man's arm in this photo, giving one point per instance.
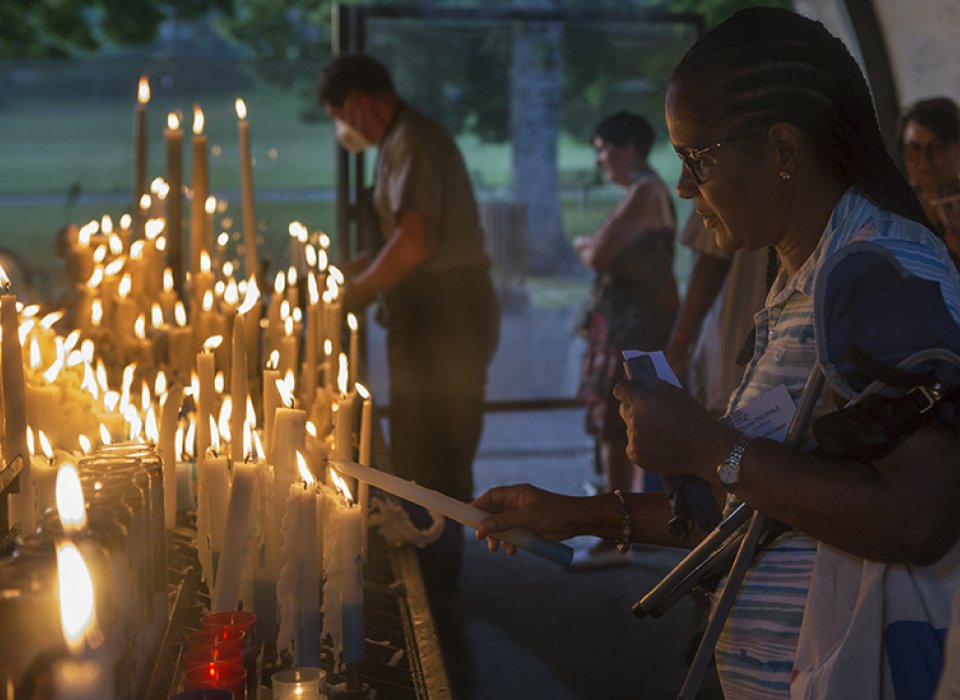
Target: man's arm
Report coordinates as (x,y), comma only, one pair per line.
(706,281)
(404,251)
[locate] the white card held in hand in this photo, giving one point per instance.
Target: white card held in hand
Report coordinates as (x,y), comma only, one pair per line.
(767,416)
(664,371)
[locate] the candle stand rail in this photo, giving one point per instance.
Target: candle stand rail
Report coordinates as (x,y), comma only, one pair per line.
(403,656)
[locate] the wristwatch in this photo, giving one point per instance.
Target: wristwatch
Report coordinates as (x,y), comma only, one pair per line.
(728,471)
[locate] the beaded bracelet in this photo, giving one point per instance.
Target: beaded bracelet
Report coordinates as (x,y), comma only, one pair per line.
(624,509)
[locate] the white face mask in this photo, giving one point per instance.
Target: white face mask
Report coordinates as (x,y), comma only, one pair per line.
(350,138)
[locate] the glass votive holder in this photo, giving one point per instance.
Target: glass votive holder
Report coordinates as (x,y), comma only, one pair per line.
(200,656)
(204,694)
(217,674)
(303,683)
(207,639)
(241,619)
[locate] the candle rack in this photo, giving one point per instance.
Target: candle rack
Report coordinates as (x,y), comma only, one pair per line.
(403,656)
(9,483)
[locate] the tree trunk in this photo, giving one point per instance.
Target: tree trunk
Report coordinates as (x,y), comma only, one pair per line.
(535,89)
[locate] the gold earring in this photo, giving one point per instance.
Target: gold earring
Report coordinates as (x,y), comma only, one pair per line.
(784,175)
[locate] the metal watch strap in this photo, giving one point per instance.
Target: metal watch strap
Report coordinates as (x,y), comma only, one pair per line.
(728,470)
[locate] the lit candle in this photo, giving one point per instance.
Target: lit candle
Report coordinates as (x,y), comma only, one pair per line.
(271,402)
(180,344)
(298,588)
(251,310)
(343,439)
(246,185)
(140,148)
(274,317)
(241,526)
(451,508)
(238,387)
(45,472)
(366,442)
(14,407)
(203,278)
(199,229)
(173,137)
(213,497)
(206,371)
(354,326)
(351,567)
(288,347)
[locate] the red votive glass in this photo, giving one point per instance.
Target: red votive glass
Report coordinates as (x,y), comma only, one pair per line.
(218,674)
(207,639)
(199,656)
(238,619)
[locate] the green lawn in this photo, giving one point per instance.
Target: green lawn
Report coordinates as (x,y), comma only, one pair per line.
(71,152)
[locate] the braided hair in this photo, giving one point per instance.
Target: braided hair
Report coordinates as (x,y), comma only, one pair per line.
(765,65)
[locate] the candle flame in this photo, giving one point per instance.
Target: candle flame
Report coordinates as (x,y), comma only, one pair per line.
(279,283)
(145,396)
(156,315)
(297,314)
(291,276)
(126,284)
(99,254)
(74,359)
(114,267)
(313,292)
(54,371)
(70,503)
(343,374)
(143,90)
(48,321)
(284,309)
(145,201)
(247,448)
(167,278)
(212,343)
(252,296)
(231,294)
(180,314)
(362,390)
(305,475)
(178,444)
(102,375)
(205,265)
(136,250)
(288,326)
(341,486)
(25,329)
(322,260)
(223,238)
(45,445)
(160,384)
(328,347)
(126,221)
(324,240)
(218,382)
(114,243)
(274,360)
(197,120)
(226,411)
(31,442)
(77,614)
(241,108)
(153,228)
(106,224)
(89,382)
(210,206)
(151,429)
(310,253)
(35,358)
(207,303)
(173,121)
(96,312)
(132,418)
(85,444)
(105,435)
(214,436)
(336,275)
(190,440)
(258,447)
(140,327)
(352,322)
(286,388)
(311,428)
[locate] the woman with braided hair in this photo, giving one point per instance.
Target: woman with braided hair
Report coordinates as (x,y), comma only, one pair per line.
(775,126)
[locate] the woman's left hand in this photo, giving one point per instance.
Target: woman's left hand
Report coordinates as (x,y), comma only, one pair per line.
(669,432)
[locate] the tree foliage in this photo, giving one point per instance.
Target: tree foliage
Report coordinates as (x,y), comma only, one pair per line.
(60,28)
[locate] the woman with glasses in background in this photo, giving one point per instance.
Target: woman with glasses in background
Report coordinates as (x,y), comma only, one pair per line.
(930,147)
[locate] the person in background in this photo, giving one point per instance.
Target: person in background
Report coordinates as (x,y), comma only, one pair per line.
(711,339)
(777,132)
(930,147)
(634,296)
(439,305)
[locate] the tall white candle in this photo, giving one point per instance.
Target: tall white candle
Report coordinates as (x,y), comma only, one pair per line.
(241,526)
(169,415)
(140,148)
(246,186)
(199,229)
(206,371)
(351,567)
(14,407)
(238,387)
(173,136)
(354,326)
(271,402)
(366,443)
(343,437)
(462,512)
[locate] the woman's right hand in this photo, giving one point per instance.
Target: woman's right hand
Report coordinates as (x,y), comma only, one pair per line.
(550,515)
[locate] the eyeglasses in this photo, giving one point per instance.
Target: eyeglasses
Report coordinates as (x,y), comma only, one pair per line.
(929,150)
(698,162)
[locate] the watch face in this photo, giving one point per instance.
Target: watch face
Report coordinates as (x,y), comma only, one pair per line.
(728,473)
